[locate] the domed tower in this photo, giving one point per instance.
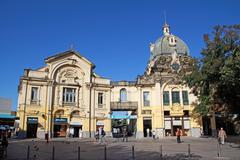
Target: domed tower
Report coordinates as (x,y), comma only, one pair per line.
(169,56)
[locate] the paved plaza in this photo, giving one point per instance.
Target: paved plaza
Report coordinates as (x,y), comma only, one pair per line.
(145,149)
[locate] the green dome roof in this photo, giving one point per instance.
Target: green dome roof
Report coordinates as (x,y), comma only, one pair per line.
(168,44)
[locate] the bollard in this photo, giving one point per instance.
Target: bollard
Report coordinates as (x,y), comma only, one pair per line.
(133,154)
(189,151)
(160,152)
(28,152)
(218,150)
(53,153)
(105,152)
(78,152)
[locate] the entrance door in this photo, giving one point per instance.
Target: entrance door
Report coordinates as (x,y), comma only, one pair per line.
(32,130)
(175,129)
(147,127)
(76,131)
(207,126)
(60,130)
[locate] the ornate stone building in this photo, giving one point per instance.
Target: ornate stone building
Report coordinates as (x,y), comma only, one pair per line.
(67,95)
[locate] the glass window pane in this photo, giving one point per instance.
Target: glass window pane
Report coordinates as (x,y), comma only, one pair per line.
(123,95)
(165,97)
(175,97)
(185,97)
(146,99)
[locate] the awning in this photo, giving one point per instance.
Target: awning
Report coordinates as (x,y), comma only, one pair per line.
(123,116)
(76,123)
(100,123)
(7,115)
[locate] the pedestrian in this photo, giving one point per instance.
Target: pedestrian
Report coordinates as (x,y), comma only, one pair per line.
(80,133)
(97,136)
(46,137)
(125,134)
(101,134)
(153,134)
(222,135)
(179,134)
(71,131)
(148,131)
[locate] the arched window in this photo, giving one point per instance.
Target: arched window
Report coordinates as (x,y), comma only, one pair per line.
(123,95)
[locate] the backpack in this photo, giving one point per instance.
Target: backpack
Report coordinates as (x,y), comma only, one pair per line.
(103,133)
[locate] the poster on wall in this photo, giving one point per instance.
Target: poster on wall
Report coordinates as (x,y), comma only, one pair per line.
(186,124)
(167,124)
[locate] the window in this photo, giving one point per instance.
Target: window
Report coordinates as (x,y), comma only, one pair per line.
(146,100)
(69,95)
(100,100)
(166,113)
(165,98)
(123,95)
(34,94)
(175,97)
(185,112)
(185,97)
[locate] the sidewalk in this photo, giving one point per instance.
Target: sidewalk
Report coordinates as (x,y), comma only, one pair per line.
(145,149)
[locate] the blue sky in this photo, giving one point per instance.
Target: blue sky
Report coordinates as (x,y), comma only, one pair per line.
(113,34)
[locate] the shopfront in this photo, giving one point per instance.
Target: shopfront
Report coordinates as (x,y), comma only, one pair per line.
(76,129)
(100,123)
(60,127)
(172,123)
(32,125)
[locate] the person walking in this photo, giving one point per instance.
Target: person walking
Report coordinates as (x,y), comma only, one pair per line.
(179,134)
(148,132)
(222,135)
(125,134)
(101,134)
(154,134)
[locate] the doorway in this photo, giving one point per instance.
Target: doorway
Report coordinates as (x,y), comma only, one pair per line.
(207,131)
(32,130)
(175,129)
(76,131)
(60,130)
(147,127)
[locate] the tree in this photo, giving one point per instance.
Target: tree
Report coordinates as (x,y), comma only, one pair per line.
(215,77)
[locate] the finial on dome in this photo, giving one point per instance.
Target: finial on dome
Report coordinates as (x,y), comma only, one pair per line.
(166,27)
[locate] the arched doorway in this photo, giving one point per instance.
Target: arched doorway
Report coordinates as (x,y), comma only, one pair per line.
(60,124)
(75,124)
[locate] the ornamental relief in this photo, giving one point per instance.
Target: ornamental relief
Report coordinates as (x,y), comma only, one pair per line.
(166,65)
(176,110)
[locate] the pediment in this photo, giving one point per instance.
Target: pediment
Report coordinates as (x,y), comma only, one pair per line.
(65,55)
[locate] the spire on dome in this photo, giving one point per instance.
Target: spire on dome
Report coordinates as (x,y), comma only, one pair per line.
(166,27)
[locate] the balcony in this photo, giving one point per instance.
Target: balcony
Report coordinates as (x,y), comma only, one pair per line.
(124,106)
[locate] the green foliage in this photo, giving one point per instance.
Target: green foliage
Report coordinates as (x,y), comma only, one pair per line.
(215,78)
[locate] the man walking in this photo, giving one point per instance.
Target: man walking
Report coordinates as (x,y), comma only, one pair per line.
(222,135)
(178,134)
(125,134)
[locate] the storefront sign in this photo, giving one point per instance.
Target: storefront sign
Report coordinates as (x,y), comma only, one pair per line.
(32,120)
(177,122)
(60,120)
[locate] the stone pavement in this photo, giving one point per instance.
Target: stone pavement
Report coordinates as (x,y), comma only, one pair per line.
(144,149)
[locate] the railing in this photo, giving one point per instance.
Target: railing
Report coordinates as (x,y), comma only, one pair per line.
(124,105)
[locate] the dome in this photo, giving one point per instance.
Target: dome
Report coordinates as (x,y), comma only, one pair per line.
(168,44)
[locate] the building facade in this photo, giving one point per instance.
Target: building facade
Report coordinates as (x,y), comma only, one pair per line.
(67,96)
